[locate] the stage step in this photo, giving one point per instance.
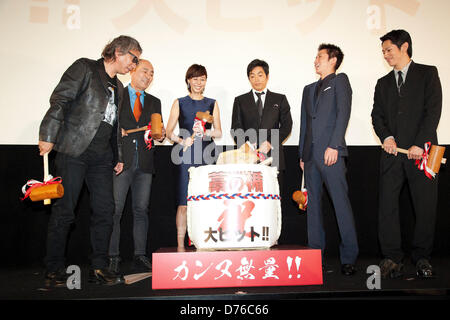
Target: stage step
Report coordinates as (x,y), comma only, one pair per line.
(277,266)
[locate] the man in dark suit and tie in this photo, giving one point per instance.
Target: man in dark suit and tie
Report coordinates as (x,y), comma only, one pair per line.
(137,154)
(262,116)
(406,112)
(326,106)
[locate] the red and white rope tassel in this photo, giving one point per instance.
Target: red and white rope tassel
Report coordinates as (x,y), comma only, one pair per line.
(148,136)
(31,184)
(422,163)
(260,155)
(198,122)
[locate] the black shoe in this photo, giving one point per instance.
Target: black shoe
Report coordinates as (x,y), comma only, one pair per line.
(105,277)
(327,268)
(57,279)
(424,269)
(141,264)
(390,269)
(348,269)
(114,264)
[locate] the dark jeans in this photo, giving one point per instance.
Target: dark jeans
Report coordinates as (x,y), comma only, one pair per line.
(140,183)
(95,170)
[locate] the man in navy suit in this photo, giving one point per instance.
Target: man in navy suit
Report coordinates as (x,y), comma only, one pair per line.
(326,106)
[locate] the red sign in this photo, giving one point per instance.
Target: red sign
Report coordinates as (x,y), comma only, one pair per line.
(251,268)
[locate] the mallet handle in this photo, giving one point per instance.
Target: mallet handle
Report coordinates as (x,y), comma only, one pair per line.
(401,150)
(404,151)
(132,278)
(186,147)
(136,130)
(46,201)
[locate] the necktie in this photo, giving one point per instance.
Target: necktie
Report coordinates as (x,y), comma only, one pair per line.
(399,81)
(318,87)
(259,103)
(137,110)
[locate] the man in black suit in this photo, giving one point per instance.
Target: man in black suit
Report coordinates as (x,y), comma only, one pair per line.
(406,112)
(262,117)
(81,125)
(137,154)
(326,106)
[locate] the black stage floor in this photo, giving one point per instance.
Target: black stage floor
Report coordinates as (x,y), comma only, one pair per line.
(28,284)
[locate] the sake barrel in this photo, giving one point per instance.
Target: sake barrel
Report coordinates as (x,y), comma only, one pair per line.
(233,206)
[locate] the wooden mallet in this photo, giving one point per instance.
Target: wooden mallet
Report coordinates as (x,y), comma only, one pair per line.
(156,125)
(435,157)
(47,191)
(300,196)
(202,116)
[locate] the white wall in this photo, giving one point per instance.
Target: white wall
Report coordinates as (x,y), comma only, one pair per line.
(41,38)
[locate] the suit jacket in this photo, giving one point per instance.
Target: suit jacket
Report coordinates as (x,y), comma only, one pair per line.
(324,120)
(276,115)
(412,116)
(128,143)
(77,107)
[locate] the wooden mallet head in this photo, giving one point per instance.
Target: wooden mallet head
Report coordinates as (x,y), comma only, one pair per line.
(435,158)
(156,126)
(49,191)
(300,198)
(205,116)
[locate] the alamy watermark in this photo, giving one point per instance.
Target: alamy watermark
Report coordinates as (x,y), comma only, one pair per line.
(197,155)
(74,280)
(373,281)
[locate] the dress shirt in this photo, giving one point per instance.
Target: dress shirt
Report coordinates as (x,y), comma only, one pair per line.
(404,72)
(263,96)
(133,95)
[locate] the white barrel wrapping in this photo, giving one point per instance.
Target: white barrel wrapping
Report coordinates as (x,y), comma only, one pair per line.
(233,206)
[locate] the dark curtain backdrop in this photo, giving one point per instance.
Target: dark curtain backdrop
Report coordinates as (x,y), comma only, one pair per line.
(23,224)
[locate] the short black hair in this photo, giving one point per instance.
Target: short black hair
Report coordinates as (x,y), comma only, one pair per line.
(196,70)
(333,51)
(399,37)
(258,63)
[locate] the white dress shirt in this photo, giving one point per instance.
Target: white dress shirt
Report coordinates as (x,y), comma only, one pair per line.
(263,96)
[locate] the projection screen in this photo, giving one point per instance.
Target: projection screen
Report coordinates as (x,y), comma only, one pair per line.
(41,38)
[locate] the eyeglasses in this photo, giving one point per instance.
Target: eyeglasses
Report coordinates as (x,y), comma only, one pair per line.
(135,59)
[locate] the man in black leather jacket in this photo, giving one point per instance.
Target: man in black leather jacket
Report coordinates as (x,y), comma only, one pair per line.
(82,125)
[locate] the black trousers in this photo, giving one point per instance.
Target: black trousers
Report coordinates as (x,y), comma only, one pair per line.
(394,172)
(96,170)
